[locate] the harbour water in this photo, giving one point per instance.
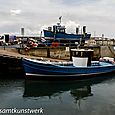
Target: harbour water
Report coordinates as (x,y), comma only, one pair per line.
(87,97)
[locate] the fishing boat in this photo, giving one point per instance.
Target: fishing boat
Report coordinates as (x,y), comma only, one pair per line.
(62,35)
(58,32)
(80,67)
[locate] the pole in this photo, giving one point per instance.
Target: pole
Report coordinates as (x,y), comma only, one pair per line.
(55,33)
(60,19)
(4,45)
(22,33)
(81,37)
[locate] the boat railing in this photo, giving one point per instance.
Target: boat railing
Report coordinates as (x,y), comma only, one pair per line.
(95,63)
(44,61)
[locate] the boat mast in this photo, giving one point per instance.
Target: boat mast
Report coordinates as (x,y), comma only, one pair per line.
(56,27)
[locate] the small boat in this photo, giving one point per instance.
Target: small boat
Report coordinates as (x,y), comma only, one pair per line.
(81,67)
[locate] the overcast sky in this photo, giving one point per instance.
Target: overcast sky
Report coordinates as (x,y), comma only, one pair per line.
(34,15)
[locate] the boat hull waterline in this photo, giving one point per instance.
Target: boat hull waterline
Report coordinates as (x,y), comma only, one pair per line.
(66,36)
(46,69)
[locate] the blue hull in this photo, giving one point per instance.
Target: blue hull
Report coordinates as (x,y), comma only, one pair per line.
(66,36)
(45,70)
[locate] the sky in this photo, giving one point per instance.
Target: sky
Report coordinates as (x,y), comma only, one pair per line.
(36,15)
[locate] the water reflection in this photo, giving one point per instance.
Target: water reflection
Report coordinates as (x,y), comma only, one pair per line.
(87,97)
(77,89)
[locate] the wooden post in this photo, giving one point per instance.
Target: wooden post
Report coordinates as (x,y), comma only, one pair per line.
(70,54)
(48,52)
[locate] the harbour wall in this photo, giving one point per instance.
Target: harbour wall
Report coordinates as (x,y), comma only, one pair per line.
(107,51)
(64,52)
(57,53)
